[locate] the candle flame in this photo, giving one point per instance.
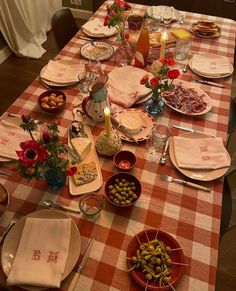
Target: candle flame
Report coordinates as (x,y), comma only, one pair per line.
(164,36)
(107,111)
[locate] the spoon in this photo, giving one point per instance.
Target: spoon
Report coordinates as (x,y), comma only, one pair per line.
(51,204)
(163,159)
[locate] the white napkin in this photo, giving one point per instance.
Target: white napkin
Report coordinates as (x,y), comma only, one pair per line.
(96,27)
(42,253)
(11,136)
(124,86)
(211,67)
(205,153)
(62,72)
(160,10)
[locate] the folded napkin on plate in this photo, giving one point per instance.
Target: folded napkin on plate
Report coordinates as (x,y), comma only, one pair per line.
(11,136)
(96,27)
(212,67)
(59,72)
(161,10)
(42,253)
(124,86)
(205,153)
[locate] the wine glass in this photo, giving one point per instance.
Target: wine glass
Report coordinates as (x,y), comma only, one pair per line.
(167,16)
(156,142)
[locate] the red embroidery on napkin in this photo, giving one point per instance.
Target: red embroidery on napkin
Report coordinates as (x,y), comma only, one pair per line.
(52,257)
(3,141)
(206,158)
(36,255)
(203,149)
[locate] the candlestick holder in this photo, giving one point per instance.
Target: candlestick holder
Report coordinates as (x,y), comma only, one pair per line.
(108,144)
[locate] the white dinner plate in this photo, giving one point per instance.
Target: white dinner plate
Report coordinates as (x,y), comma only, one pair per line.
(206,98)
(211,56)
(91,157)
(97,49)
(200,175)
(97,35)
(147,124)
(13,237)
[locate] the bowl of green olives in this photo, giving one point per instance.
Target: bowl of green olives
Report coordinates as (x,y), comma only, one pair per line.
(123,189)
(155,260)
(52,101)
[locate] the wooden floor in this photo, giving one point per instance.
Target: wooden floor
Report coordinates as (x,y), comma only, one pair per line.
(17,73)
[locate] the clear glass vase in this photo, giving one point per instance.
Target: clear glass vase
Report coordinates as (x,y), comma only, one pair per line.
(55,178)
(123,54)
(155,105)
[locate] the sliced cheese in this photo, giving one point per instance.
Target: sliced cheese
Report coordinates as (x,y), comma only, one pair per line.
(85,173)
(132,123)
(181,33)
(82,146)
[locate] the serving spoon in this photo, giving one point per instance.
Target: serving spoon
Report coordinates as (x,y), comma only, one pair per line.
(50,204)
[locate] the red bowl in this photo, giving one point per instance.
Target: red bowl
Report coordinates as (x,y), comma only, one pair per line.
(176,256)
(52,101)
(128,177)
(124,160)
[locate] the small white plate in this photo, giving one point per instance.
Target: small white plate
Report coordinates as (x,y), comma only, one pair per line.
(147,124)
(199,91)
(13,237)
(97,35)
(211,56)
(98,50)
(91,157)
(200,175)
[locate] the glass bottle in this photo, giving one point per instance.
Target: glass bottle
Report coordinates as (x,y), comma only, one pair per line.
(142,46)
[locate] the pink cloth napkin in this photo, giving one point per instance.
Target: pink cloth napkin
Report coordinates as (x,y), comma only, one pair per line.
(205,153)
(124,86)
(62,72)
(42,253)
(213,67)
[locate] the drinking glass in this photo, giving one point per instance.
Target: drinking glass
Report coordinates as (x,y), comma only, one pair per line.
(135,23)
(154,22)
(182,48)
(90,205)
(156,142)
(94,66)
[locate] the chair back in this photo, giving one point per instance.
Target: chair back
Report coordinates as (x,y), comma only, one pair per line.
(64,26)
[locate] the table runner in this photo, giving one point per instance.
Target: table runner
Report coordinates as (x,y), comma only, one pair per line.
(189,215)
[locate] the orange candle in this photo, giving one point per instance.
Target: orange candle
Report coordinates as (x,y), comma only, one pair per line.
(163,45)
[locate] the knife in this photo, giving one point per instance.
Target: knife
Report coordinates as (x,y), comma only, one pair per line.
(73,283)
(120,127)
(209,83)
(73,154)
(190,129)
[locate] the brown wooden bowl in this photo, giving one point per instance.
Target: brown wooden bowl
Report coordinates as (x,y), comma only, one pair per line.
(113,181)
(52,101)
(124,160)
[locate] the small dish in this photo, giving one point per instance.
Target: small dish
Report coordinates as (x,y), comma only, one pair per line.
(97,50)
(91,205)
(124,160)
(123,189)
(52,101)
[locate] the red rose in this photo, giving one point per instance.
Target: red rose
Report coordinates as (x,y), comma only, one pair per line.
(144,80)
(126,35)
(112,13)
(119,3)
(107,20)
(170,62)
(154,82)
(127,6)
(173,74)
(71,170)
(164,61)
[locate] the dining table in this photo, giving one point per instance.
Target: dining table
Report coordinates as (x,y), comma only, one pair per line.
(191,216)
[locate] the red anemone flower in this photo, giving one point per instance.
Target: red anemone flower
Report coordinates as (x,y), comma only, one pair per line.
(31,153)
(71,170)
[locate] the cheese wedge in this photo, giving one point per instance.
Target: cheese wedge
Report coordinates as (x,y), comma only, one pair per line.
(85,173)
(82,146)
(132,123)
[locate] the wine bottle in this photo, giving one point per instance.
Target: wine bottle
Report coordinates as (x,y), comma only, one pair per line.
(142,46)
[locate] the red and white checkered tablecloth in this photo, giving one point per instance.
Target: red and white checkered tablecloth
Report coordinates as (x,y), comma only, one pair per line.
(189,215)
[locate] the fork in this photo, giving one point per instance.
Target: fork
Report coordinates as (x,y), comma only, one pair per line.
(10,225)
(179,181)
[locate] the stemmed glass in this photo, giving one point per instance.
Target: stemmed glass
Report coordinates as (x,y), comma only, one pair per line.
(167,16)
(156,142)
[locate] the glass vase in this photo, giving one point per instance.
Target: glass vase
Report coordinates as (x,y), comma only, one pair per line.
(123,54)
(55,178)
(155,105)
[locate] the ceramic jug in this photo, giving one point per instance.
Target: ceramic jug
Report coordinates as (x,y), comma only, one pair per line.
(94,105)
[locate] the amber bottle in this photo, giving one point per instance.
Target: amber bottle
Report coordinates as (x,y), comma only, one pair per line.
(142,46)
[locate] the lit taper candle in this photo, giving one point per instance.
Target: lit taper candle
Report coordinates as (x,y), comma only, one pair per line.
(107,120)
(164,37)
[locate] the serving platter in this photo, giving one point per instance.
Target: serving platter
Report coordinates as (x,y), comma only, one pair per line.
(205,35)
(147,124)
(12,239)
(96,50)
(177,256)
(200,175)
(206,98)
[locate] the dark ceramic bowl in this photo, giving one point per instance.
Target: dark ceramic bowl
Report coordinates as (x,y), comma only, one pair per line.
(124,160)
(117,183)
(52,101)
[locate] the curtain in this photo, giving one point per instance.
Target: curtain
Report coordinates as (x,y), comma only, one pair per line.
(24,24)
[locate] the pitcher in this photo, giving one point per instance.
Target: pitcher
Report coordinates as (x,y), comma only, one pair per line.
(94,105)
